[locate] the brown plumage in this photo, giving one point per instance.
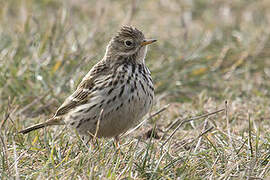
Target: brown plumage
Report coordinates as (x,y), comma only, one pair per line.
(120,86)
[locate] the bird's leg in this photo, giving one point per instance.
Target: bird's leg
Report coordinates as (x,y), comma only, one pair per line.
(85,140)
(93,139)
(117,146)
(90,141)
(116,142)
(95,143)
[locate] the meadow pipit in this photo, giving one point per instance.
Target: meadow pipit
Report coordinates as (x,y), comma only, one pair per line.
(120,85)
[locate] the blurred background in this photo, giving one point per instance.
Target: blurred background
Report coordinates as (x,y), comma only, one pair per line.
(216,47)
(207,52)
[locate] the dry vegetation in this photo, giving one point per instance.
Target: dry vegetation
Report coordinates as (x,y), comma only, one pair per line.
(208,52)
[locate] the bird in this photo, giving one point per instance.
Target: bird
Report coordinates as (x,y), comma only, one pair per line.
(114,95)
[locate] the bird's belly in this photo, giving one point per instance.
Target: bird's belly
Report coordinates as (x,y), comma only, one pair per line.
(121,110)
(117,122)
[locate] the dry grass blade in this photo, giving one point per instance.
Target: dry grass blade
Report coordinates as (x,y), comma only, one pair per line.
(188,120)
(8,111)
(265,169)
(250,136)
(229,129)
(229,170)
(16,161)
(150,117)
(98,123)
(200,138)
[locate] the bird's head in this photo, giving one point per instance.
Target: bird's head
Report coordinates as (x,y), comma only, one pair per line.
(129,43)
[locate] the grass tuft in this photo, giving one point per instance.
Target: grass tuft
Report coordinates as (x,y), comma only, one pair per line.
(208,53)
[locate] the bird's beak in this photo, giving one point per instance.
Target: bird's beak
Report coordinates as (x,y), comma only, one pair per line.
(148,41)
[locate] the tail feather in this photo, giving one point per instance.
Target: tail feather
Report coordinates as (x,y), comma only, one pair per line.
(32,128)
(50,122)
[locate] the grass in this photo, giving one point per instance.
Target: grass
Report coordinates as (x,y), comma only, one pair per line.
(208,52)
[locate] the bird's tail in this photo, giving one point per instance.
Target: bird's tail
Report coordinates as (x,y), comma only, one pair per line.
(50,122)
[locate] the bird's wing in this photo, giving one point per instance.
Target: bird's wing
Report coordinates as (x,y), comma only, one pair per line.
(80,96)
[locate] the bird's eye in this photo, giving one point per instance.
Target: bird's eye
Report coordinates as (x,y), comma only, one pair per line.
(128,43)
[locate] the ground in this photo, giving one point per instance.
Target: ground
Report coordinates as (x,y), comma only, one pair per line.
(210,56)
